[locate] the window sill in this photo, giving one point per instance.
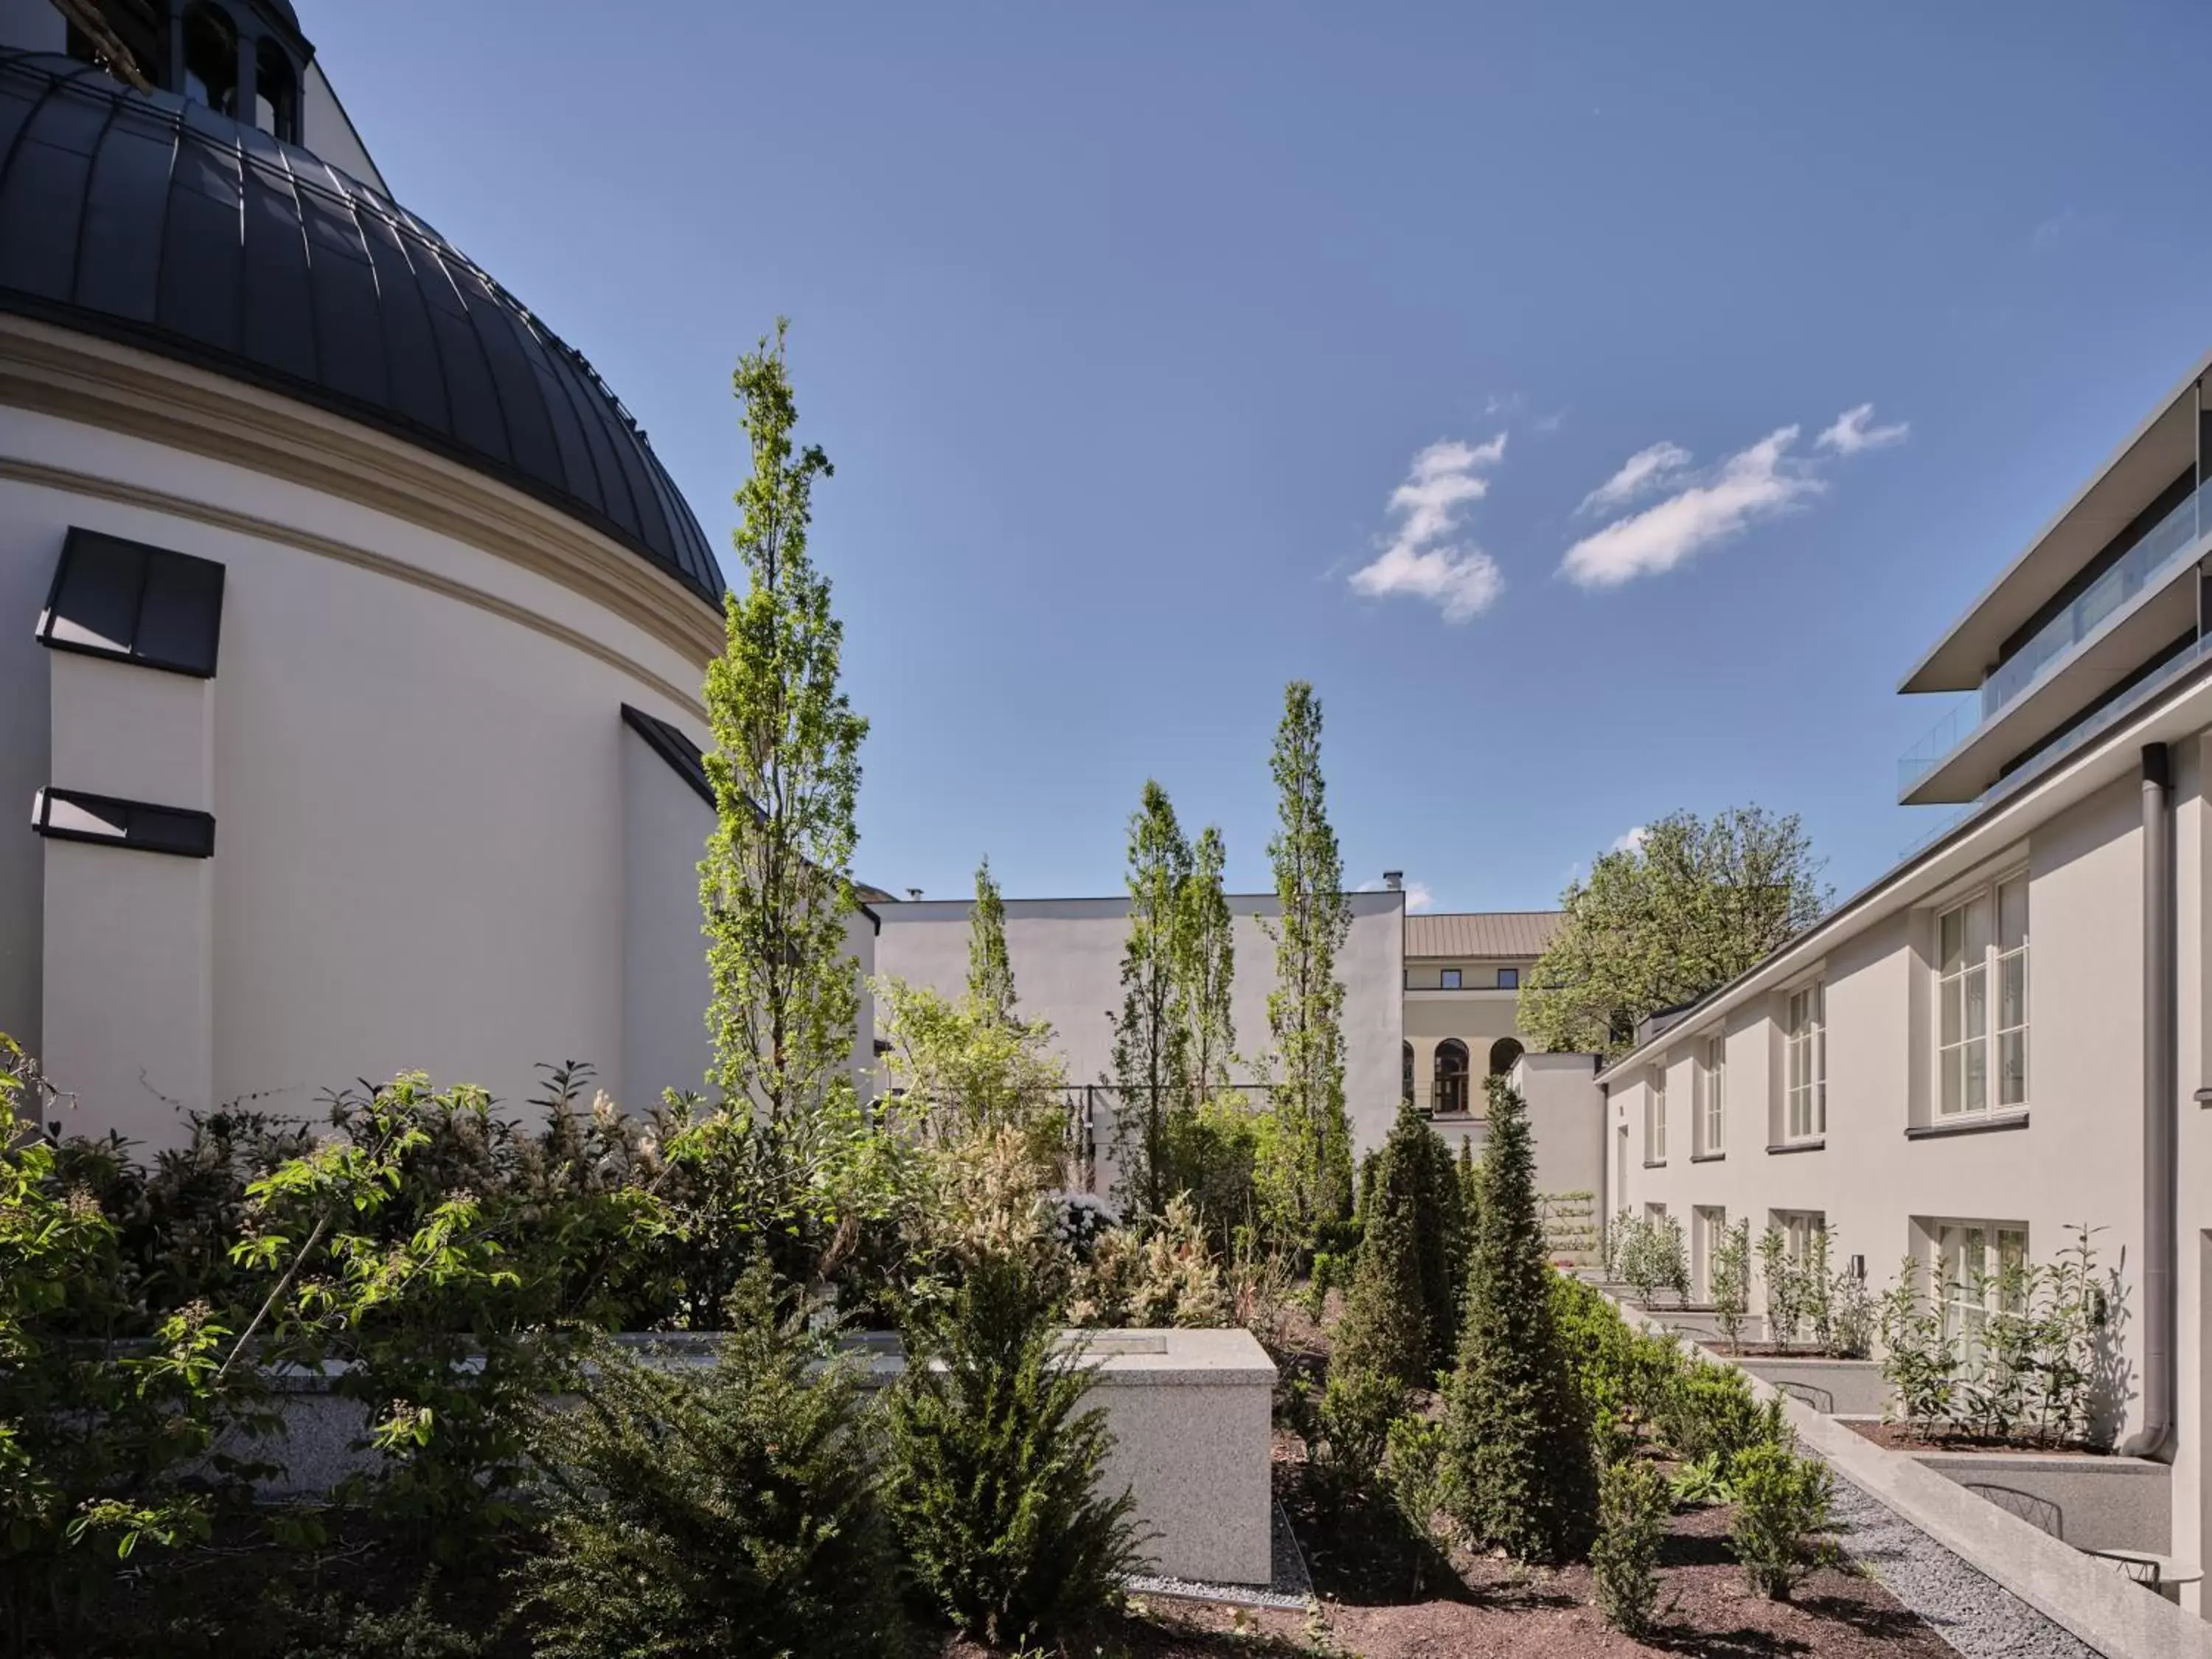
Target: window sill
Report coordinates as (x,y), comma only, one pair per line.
(1707,1158)
(1985,1123)
(1813,1146)
(1655,1162)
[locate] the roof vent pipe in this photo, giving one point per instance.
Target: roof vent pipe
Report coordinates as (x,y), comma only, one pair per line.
(2158,1106)
(1393,880)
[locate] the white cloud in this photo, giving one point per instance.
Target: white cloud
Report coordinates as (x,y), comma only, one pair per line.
(1631,841)
(1854,430)
(1422,561)
(1754,483)
(1640,474)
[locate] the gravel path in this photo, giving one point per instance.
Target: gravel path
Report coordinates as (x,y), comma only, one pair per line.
(1291,1590)
(1978,1616)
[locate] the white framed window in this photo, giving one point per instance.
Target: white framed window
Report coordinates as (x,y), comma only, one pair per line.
(1981,1001)
(1974,1261)
(1655,1116)
(1708,1226)
(1805,1051)
(1798,1230)
(1710,1119)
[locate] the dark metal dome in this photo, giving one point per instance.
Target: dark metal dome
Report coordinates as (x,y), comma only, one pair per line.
(150,221)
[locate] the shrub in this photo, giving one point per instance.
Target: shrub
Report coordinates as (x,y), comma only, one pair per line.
(1412,1469)
(1357,1410)
(1708,1410)
(1401,1317)
(1518,1454)
(1782,1528)
(1729,1273)
(694,1513)
(1784,1279)
(994,1465)
(88,1438)
(1151,1274)
(1633,1506)
(1919,1361)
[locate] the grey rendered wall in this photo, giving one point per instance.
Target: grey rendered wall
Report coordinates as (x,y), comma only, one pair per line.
(1067,957)
(29,550)
(665,985)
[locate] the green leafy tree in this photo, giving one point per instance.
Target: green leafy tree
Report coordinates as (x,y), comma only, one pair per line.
(990,971)
(994,1465)
(1308,1181)
(1149,1034)
(1784,1527)
(1205,972)
(1690,905)
(776,884)
(1517,1434)
(732,1510)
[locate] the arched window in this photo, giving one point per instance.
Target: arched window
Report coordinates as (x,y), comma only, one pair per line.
(1405,1073)
(276,94)
(1502,1053)
(1450,1099)
(210,58)
(122,37)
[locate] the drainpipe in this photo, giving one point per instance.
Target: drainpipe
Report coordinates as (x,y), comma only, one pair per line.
(2159,1125)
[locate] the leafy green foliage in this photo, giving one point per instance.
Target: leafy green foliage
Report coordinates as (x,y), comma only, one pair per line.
(990,970)
(1729,1274)
(89,1439)
(1518,1434)
(1704,1410)
(1696,903)
(1633,1505)
(775,884)
(1782,1527)
(1306,1183)
(1205,972)
(1358,1408)
(1919,1360)
(1149,1037)
(994,1464)
(1703,1480)
(710,1511)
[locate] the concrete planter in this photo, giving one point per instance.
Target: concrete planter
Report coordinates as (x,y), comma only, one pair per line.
(1841,1387)
(1191,1412)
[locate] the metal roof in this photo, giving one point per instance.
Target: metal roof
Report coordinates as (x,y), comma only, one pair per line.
(1481,934)
(159,223)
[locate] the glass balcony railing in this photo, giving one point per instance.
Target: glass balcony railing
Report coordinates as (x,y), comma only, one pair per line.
(2165,548)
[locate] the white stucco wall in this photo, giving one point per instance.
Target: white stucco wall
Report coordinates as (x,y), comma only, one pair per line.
(1067,957)
(2076,1158)
(438,846)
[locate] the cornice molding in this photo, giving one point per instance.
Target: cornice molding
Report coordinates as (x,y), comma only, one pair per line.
(97,382)
(245,523)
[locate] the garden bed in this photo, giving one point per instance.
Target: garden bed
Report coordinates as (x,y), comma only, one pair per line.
(1903,1437)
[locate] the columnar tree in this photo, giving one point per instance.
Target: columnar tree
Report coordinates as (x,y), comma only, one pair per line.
(1206,971)
(990,972)
(1309,1180)
(1683,906)
(1516,1432)
(1149,1034)
(776,884)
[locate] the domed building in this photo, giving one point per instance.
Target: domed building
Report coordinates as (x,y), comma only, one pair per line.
(351,634)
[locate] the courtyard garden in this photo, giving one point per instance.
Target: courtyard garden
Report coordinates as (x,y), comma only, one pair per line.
(789,1367)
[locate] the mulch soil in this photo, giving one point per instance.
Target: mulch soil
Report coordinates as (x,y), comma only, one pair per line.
(1903,1436)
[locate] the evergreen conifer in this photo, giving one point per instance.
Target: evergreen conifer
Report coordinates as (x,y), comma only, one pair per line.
(1516,1437)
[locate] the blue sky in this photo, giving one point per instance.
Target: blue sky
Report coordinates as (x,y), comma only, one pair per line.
(1125,327)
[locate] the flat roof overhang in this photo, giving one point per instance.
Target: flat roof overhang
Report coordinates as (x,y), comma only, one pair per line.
(2121,646)
(2158,451)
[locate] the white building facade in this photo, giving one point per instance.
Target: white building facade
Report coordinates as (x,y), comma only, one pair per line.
(350,635)
(2006,1035)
